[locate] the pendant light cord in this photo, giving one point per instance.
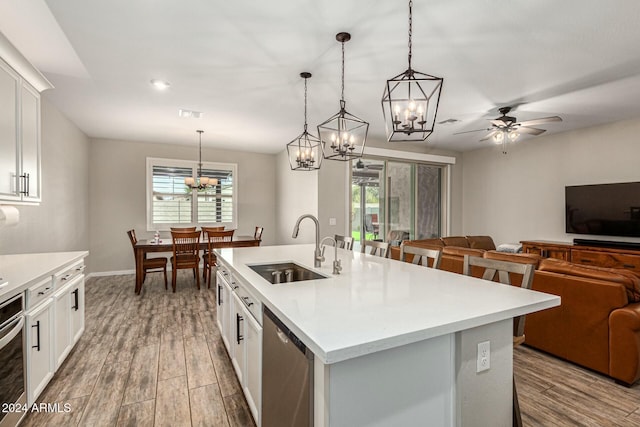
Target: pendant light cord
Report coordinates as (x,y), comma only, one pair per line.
(410,29)
(305,104)
(343,71)
(200,156)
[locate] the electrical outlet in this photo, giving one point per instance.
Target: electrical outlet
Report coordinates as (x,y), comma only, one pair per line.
(484,356)
(332,221)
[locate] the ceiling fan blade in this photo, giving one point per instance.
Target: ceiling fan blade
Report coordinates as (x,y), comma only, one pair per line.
(541,121)
(489,135)
(530,131)
(498,123)
(469,131)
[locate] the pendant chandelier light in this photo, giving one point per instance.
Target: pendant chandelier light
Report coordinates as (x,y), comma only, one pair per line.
(410,101)
(343,135)
(202,182)
(305,151)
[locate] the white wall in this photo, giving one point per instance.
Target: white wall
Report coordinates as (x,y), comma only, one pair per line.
(520,195)
(297,194)
(61,221)
(118,195)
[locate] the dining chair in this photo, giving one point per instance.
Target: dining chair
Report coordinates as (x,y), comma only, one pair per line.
(344,242)
(186,245)
(183,229)
(257,235)
(213,237)
(502,270)
(421,256)
(375,248)
(149,265)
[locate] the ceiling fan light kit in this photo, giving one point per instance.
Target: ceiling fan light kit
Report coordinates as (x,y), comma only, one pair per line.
(305,151)
(410,101)
(343,135)
(506,128)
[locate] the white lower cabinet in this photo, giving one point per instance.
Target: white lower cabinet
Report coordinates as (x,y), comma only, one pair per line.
(242,335)
(238,317)
(246,357)
(253,372)
(69,318)
(77,310)
(40,346)
(224,311)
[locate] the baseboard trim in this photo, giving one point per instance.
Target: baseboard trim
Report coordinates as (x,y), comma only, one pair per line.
(123,272)
(110,273)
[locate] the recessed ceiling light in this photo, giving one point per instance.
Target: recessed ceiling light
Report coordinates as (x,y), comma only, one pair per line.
(189,113)
(160,84)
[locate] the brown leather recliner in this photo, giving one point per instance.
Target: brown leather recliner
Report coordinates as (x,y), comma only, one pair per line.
(597,324)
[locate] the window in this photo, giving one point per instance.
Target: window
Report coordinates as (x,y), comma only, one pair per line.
(172,203)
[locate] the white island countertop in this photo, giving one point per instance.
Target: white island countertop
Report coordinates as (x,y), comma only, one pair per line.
(376,303)
(22,270)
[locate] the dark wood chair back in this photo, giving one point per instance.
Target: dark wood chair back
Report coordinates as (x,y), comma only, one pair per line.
(183,229)
(186,245)
(421,256)
(133,239)
(257,235)
(344,242)
(218,236)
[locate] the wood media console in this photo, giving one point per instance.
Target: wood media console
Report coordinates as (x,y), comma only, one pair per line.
(600,254)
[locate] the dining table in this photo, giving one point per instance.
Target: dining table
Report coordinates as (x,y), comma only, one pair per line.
(143,247)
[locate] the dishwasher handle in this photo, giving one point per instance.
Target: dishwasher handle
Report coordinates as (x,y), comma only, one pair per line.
(285,334)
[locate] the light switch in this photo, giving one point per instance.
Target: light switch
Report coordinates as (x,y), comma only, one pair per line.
(332,221)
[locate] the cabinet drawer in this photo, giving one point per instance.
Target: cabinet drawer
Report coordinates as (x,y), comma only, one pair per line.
(606,259)
(39,292)
(68,274)
(548,251)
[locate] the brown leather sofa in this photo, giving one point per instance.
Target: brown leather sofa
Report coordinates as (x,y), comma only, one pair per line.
(453,249)
(598,323)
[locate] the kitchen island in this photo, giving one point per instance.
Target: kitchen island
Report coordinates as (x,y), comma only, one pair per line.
(393,343)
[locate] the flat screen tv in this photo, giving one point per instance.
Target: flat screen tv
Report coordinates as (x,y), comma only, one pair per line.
(604,209)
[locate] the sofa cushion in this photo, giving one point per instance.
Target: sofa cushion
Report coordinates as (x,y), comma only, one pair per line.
(458,251)
(426,243)
(630,281)
(481,242)
(459,241)
(519,258)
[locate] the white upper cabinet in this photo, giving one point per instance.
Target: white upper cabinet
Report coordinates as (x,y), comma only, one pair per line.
(30,142)
(9,81)
(20,159)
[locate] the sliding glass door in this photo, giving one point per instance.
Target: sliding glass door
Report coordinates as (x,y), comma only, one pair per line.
(395,200)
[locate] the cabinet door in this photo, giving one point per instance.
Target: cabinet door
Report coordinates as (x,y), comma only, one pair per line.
(238,339)
(77,310)
(39,349)
(62,314)
(8,133)
(253,373)
(225,316)
(30,138)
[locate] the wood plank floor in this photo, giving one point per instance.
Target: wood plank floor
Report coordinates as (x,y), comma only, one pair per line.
(150,360)
(158,360)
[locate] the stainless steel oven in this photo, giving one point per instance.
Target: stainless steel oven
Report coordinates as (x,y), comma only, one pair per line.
(12,368)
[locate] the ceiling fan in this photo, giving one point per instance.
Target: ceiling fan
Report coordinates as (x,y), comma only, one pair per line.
(509,127)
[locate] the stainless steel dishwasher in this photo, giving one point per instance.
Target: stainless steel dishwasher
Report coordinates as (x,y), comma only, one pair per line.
(287,376)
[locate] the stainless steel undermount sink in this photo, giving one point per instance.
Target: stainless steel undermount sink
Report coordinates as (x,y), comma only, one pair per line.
(285,272)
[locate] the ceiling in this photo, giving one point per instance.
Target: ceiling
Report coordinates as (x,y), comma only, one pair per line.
(239,62)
